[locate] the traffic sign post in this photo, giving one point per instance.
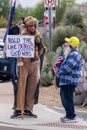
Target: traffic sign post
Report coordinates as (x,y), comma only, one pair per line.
(49,5)
(50,31)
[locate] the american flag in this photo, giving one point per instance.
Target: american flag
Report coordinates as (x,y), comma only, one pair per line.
(10,18)
(57,64)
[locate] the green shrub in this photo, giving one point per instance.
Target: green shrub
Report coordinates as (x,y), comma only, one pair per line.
(73,17)
(61,32)
(83,50)
(47,78)
(3,22)
(84,34)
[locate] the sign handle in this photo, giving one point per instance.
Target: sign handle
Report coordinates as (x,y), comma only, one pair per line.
(21,93)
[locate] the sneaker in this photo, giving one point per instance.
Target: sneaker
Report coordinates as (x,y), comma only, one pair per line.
(67,120)
(13,107)
(29,113)
(35,102)
(62,118)
(16,114)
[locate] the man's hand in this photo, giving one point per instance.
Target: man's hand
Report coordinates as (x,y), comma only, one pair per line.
(20,63)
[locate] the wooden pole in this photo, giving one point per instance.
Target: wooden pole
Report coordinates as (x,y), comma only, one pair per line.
(21,93)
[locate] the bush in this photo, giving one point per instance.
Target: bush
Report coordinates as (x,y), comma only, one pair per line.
(61,32)
(47,78)
(84,34)
(3,22)
(83,50)
(73,17)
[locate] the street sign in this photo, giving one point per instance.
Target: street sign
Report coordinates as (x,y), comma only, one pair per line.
(49,3)
(46,20)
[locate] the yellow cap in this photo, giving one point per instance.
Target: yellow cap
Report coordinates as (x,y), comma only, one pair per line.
(73,41)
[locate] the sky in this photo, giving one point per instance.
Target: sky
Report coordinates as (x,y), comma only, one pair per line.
(33,3)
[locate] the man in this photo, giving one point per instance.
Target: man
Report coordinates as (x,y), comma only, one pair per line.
(30,70)
(20,23)
(14,30)
(69,73)
(36,96)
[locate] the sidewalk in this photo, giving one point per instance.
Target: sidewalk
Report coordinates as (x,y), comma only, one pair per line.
(48,117)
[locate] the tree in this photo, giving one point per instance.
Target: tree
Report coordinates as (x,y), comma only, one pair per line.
(19,9)
(60,11)
(37,12)
(61,32)
(73,17)
(4,8)
(4,23)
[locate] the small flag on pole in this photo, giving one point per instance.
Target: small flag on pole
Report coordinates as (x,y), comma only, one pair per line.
(10,18)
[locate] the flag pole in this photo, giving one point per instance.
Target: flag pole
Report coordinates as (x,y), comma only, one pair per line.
(10,19)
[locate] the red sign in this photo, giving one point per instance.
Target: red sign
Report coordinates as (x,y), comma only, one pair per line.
(46,20)
(49,3)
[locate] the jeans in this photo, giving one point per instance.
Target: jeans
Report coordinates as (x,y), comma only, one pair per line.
(36,96)
(67,99)
(13,64)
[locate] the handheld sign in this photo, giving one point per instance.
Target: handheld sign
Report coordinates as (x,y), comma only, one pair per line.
(20,46)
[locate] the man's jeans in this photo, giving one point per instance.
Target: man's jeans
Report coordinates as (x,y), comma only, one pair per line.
(13,63)
(36,96)
(67,99)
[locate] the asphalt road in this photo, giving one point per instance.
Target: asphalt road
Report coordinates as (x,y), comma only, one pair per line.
(6,93)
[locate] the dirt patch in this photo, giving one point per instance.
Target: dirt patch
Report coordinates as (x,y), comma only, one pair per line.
(51,96)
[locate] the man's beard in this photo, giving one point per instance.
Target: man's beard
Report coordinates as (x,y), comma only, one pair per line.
(66,51)
(31,32)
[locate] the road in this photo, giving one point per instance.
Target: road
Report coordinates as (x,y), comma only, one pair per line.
(6,93)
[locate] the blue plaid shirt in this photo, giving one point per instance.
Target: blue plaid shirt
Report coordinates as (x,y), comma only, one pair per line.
(69,70)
